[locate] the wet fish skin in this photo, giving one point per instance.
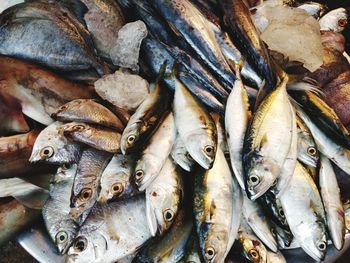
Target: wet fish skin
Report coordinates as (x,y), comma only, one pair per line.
(332,202)
(39,92)
(86,187)
(88,111)
(53,148)
(103,139)
(163,198)
(12,120)
(181,156)
(145,120)
(127,234)
(192,250)
(61,228)
(155,155)
(195,127)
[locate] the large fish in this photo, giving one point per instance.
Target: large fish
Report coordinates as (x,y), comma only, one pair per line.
(39,92)
(26,29)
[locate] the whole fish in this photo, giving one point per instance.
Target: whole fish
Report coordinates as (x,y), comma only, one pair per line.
(27,28)
(103,139)
(86,187)
(195,126)
(213,209)
(163,198)
(88,111)
(154,156)
(335,20)
(303,209)
(237,18)
(267,142)
(12,119)
(52,147)
(111,232)
(37,91)
(237,116)
(116,182)
(145,120)
(188,22)
(181,156)
(307,149)
(332,202)
(172,246)
(61,228)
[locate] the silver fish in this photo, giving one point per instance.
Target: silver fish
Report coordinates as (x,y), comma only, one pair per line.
(276,257)
(195,127)
(181,156)
(155,155)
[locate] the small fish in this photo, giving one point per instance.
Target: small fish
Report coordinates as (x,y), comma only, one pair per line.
(196,127)
(335,20)
(111,232)
(307,149)
(52,147)
(331,198)
(88,111)
(155,155)
(61,228)
(116,182)
(213,209)
(163,198)
(103,139)
(145,120)
(86,187)
(181,156)
(305,214)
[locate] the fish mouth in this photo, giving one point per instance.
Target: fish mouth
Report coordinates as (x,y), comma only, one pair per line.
(308,161)
(314,253)
(257,191)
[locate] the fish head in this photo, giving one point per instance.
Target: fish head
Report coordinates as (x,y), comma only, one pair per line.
(335,20)
(76,128)
(52,147)
(83,201)
(114,186)
(131,137)
(202,148)
(181,156)
(307,150)
(146,170)
(253,249)
(64,234)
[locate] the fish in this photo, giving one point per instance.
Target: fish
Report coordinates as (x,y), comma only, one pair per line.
(61,228)
(331,198)
(27,28)
(103,19)
(259,223)
(237,18)
(13,120)
(307,149)
(266,147)
(276,257)
(103,139)
(52,147)
(304,212)
(189,23)
(237,117)
(155,155)
(196,127)
(36,91)
(86,186)
(163,198)
(102,238)
(181,156)
(145,120)
(335,20)
(88,111)
(192,250)
(213,209)
(116,180)
(170,247)
(14,154)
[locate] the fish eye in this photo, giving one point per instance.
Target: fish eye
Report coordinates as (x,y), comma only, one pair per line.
(281,212)
(66,166)
(117,189)
(209,150)
(168,215)
(209,253)
(80,244)
(189,157)
(131,139)
(61,237)
(78,127)
(63,107)
(342,22)
(311,151)
(139,175)
(322,246)
(85,194)
(46,152)
(254,254)
(254,180)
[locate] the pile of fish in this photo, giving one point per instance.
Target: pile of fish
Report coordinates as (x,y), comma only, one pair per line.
(175,131)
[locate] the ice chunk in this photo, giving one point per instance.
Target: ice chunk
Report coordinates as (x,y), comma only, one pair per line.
(295,34)
(126,51)
(335,20)
(259,14)
(4,4)
(122,89)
